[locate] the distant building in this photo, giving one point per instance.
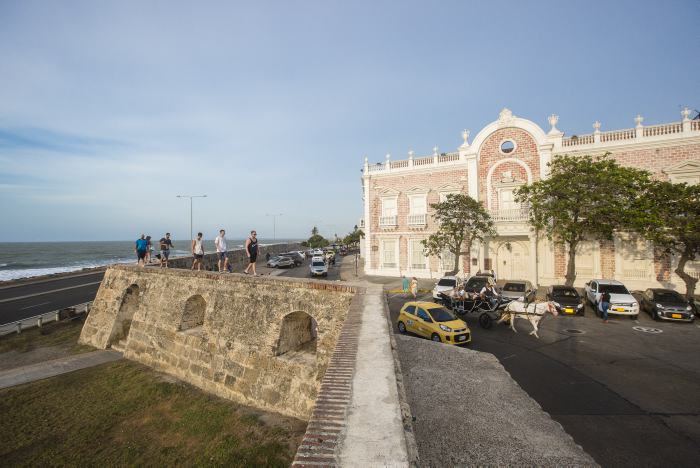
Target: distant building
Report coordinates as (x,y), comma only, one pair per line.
(505,154)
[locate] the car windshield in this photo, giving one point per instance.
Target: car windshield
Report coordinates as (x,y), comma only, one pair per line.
(441,315)
(669,296)
(514,287)
(447,282)
(318,264)
(565,293)
(613,289)
(477,282)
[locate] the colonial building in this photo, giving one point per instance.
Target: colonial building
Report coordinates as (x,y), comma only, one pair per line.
(505,154)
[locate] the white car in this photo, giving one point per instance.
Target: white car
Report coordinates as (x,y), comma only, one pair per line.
(317,253)
(318,266)
(621,301)
(445,284)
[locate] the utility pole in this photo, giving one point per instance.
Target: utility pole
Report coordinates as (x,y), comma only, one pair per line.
(274,224)
(191,197)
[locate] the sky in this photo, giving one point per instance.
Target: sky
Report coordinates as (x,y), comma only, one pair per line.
(108,110)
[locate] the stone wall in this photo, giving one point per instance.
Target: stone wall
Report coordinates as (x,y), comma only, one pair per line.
(263,341)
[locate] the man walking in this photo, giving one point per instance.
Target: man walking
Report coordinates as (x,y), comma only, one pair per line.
(197,252)
(165,245)
(251,250)
(604,305)
(404,284)
(141,249)
(220,243)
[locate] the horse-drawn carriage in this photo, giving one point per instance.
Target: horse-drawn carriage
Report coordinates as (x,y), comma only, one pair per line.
(499,309)
(474,303)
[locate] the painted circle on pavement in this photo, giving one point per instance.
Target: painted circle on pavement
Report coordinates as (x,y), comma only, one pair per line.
(647,329)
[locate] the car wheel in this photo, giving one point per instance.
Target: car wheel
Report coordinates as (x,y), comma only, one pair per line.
(485,321)
(402,327)
(655,315)
(582,313)
(634,317)
(436,338)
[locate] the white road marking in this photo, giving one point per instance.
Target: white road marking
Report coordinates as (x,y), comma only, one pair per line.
(35,305)
(48,292)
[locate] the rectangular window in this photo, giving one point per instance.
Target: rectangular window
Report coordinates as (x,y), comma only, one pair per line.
(389,259)
(389,207)
(418,205)
(508,200)
(447,259)
(417,255)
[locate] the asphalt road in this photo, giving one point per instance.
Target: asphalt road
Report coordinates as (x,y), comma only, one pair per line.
(27,299)
(628,397)
(302,271)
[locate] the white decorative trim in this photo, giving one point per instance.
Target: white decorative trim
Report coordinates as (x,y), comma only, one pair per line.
(417,190)
(489,186)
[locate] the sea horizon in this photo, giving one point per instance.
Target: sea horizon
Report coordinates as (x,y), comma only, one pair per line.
(29,259)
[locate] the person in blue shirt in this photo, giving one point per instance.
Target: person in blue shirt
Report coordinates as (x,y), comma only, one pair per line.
(141,250)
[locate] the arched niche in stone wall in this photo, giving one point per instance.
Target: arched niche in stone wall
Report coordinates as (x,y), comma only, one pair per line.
(193,312)
(128,307)
(298,333)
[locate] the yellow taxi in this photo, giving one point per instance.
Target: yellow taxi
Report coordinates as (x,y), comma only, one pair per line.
(433,321)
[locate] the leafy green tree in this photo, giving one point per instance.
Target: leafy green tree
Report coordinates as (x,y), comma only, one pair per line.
(583,198)
(669,216)
(461,221)
(314,231)
(354,237)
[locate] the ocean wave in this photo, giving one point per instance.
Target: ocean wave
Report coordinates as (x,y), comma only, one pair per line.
(13,274)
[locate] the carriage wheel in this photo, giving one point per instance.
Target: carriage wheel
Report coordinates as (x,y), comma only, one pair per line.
(485,321)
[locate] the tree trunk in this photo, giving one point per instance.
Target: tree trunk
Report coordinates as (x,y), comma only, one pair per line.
(571,264)
(690,282)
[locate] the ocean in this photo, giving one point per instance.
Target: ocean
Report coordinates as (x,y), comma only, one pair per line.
(27,259)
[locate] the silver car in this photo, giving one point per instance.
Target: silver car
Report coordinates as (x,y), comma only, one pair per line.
(280,262)
(518,288)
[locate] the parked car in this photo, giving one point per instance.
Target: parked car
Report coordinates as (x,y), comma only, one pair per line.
(666,304)
(309,253)
(568,300)
(296,256)
(433,321)
(280,262)
(621,301)
(476,283)
(317,253)
(318,266)
(444,284)
(518,288)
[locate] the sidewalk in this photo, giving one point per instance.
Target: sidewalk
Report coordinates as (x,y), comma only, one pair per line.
(374,433)
(44,370)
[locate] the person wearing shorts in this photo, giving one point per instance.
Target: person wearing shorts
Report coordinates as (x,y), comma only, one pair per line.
(141,249)
(251,250)
(198,252)
(220,243)
(165,244)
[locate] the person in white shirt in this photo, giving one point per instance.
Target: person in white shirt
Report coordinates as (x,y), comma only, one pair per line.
(220,243)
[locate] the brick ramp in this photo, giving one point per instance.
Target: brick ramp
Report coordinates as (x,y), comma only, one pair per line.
(356,420)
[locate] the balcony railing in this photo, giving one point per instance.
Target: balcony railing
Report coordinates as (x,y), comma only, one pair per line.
(388,221)
(516,214)
(417,219)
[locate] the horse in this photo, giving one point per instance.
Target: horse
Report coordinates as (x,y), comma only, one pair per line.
(533,313)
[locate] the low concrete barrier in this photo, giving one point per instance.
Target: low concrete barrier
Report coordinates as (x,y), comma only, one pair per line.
(237,258)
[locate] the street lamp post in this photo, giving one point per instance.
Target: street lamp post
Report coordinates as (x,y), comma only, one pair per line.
(274,224)
(191,197)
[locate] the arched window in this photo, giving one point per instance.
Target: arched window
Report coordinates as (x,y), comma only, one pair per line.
(297,333)
(193,315)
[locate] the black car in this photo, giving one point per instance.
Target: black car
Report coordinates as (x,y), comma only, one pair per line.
(476,283)
(666,304)
(569,300)
(296,256)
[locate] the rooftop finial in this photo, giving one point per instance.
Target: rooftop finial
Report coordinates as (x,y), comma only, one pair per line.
(638,120)
(685,113)
(596,126)
(553,120)
(465,137)
(435,150)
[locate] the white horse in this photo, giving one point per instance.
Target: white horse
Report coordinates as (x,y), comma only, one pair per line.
(533,313)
